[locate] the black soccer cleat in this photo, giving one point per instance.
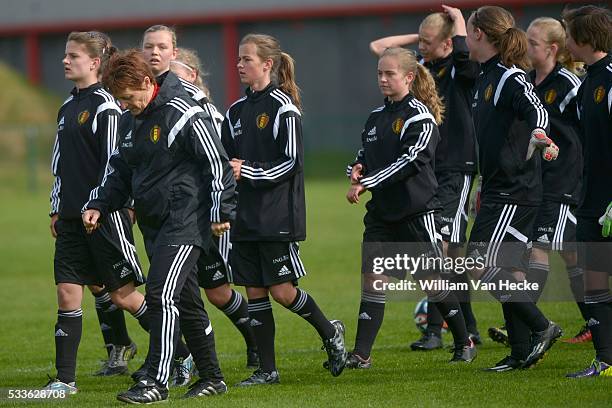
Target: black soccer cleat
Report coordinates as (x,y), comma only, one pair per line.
(336,351)
(205,388)
(252,359)
(541,342)
(355,361)
(508,363)
(499,335)
(117,363)
(464,354)
(260,377)
(427,342)
(144,392)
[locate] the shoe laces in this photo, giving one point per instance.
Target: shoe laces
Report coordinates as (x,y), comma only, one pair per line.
(116,356)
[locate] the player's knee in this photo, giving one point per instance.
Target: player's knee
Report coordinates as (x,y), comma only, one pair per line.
(68,296)
(219,296)
(283,294)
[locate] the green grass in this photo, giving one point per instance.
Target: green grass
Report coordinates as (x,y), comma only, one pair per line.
(331,254)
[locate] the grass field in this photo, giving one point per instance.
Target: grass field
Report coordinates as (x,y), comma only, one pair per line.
(331,254)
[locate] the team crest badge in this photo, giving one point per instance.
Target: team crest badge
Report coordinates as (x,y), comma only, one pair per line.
(155,134)
(550,96)
(599,94)
(262,120)
(83,116)
(397,125)
(441,72)
(488,93)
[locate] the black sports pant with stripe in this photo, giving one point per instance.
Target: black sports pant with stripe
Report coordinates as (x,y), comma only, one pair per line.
(173,298)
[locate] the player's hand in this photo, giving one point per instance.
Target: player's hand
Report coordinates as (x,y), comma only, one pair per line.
(90,220)
(539,141)
(354,192)
(606,222)
(54,219)
(457,17)
(236,167)
(356,173)
(219,228)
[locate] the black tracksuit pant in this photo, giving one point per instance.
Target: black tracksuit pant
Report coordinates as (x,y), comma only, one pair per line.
(173,298)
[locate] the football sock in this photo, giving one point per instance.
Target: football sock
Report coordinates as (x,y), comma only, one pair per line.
(143,317)
(599,307)
(262,323)
(67,338)
(434,319)
(519,301)
(371,314)
(305,306)
(451,312)
(105,327)
(538,273)
(237,310)
(576,278)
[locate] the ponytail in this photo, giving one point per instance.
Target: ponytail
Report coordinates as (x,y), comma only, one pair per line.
(499,26)
(424,89)
(286,78)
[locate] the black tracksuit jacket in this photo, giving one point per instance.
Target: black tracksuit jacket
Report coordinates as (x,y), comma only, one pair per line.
(561,178)
(163,160)
(399,142)
(594,109)
(506,111)
(264,129)
(86,138)
(455,78)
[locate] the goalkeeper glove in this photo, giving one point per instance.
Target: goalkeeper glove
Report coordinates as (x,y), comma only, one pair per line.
(539,141)
(606,222)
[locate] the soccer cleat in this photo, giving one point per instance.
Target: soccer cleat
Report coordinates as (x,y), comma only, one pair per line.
(183,369)
(355,361)
(596,369)
(54,384)
(464,354)
(205,388)
(118,360)
(499,335)
(583,336)
(541,342)
(475,337)
(260,377)
(427,342)
(336,351)
(252,359)
(508,363)
(144,392)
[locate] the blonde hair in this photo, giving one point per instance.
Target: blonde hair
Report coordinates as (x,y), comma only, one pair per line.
(554,33)
(189,58)
(283,65)
(440,22)
(499,26)
(161,27)
(423,87)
